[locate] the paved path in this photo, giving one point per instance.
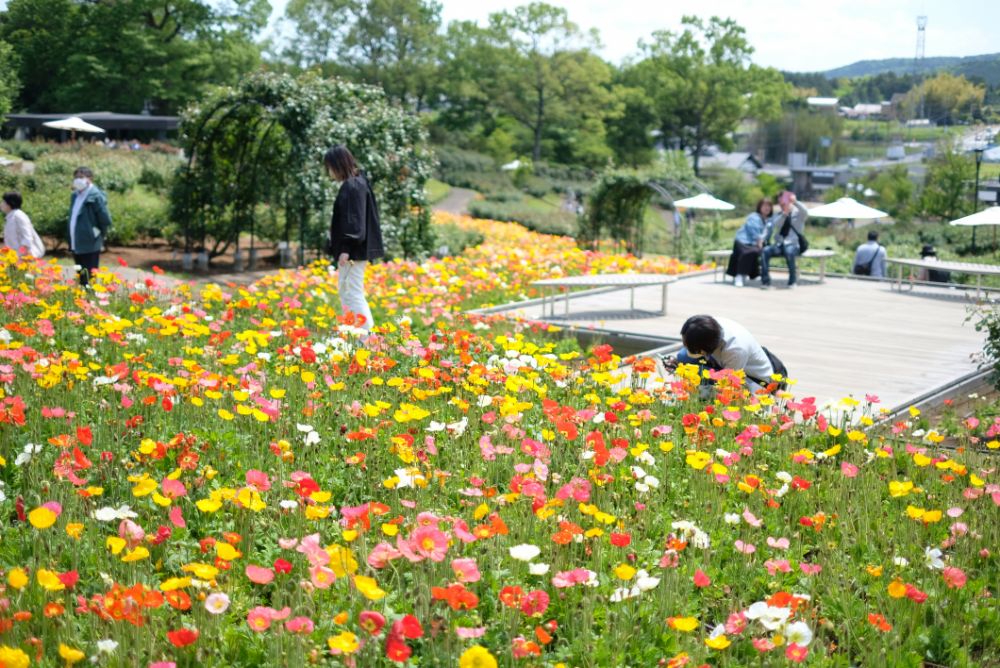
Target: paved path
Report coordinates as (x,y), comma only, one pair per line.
(837,338)
(457,201)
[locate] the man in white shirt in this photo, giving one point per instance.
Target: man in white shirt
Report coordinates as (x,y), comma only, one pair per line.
(721,343)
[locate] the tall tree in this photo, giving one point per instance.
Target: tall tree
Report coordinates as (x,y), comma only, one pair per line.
(536,66)
(948,185)
(389,43)
(945,99)
(703,83)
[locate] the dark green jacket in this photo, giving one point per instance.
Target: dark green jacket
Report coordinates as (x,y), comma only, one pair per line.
(92,224)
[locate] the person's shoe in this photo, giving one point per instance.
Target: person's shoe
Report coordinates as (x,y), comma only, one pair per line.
(765,286)
(792,286)
(738,281)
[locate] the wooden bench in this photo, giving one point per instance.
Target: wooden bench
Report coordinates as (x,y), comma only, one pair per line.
(631,281)
(721,258)
(976,269)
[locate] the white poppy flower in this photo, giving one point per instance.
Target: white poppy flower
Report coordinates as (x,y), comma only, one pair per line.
(524,552)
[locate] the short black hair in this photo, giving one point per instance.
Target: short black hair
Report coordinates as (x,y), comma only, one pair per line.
(13,199)
(83,171)
(762,201)
(340,161)
(927,251)
(701,334)
(873,236)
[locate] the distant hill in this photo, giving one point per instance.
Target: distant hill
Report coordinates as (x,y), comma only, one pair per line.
(985,67)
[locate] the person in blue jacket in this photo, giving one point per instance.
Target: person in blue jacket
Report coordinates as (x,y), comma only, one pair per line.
(89,223)
(744,263)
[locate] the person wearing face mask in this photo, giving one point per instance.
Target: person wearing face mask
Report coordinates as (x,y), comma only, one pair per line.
(721,343)
(89,223)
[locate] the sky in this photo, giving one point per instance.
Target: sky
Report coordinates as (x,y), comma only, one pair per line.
(794,35)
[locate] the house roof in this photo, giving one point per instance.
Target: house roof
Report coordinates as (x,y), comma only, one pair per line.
(104,119)
(822,101)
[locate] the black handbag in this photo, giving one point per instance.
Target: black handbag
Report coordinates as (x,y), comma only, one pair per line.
(787,227)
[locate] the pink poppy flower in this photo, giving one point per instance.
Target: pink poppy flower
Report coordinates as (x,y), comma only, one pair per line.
(745,548)
(775,565)
(751,519)
(258,480)
(424,543)
(259,574)
(288,543)
(736,623)
(954,577)
(700,579)
(763,645)
(777,543)
(534,603)
(321,577)
(371,621)
(259,618)
(470,632)
(848,469)
(177,517)
(382,554)
(173,489)
(462,532)
(302,625)
(131,532)
(810,569)
(466,570)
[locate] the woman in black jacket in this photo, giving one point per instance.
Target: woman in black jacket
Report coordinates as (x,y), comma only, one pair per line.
(355,232)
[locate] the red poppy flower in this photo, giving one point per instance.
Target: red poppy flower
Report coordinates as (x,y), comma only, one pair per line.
(182,637)
(409,626)
(397,650)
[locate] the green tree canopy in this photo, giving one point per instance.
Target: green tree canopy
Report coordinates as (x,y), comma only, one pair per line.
(945,99)
(394,44)
(703,83)
(9,83)
(948,186)
(534,65)
(120,55)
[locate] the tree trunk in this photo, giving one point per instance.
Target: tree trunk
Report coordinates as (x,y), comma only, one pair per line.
(536,149)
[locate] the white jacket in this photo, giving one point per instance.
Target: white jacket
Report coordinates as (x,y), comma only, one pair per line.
(19,233)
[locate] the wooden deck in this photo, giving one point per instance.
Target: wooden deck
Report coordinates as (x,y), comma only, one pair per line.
(839,338)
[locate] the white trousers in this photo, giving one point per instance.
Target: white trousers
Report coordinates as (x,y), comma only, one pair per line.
(352,291)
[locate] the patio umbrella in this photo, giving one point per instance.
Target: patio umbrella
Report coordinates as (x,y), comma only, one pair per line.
(847,208)
(988,216)
(74,124)
(704,201)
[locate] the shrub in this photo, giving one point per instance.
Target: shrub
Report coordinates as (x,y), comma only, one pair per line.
(450,239)
(987,319)
(556,221)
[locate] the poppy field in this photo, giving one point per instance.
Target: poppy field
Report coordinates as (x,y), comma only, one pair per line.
(229,476)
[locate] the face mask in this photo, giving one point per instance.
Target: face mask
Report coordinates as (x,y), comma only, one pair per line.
(80,184)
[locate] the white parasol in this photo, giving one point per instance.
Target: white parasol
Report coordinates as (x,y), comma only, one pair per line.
(988,216)
(704,201)
(74,124)
(847,208)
